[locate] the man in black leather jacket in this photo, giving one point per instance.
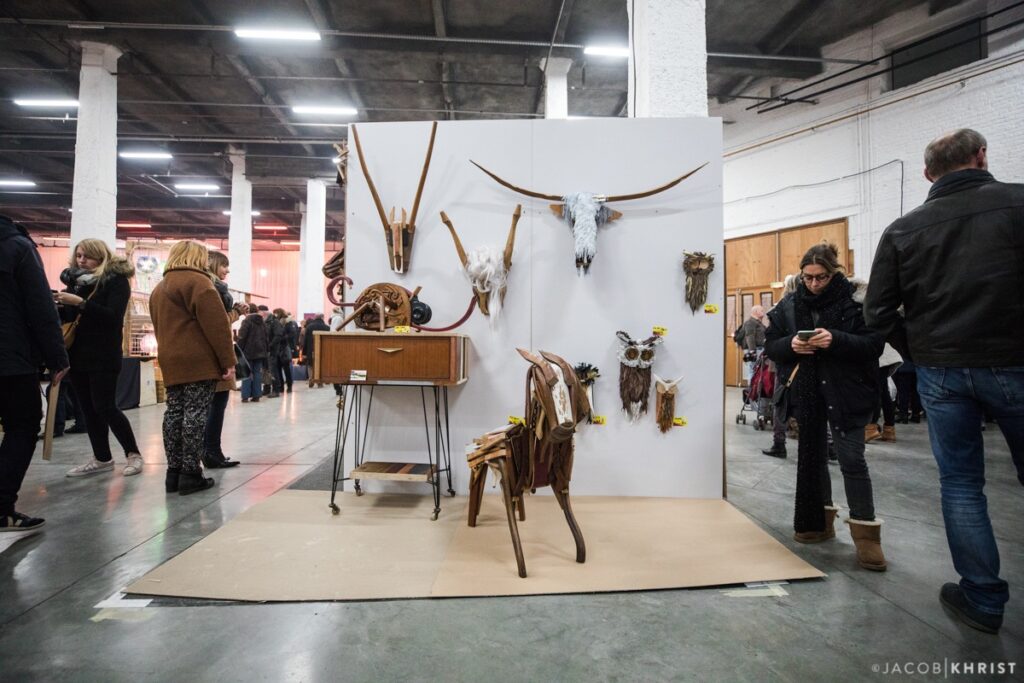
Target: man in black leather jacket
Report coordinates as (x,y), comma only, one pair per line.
(956,265)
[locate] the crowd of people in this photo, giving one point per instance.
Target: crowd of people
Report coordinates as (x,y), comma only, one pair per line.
(933,316)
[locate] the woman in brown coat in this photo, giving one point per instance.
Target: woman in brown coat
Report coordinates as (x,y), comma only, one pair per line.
(194,351)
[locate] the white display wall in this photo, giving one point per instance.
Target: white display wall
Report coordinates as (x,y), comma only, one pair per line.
(636,282)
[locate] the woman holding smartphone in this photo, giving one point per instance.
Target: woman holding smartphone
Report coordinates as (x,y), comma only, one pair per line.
(819,331)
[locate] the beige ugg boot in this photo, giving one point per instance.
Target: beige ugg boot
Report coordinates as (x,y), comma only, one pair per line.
(871,432)
(867,536)
(818,536)
(888,433)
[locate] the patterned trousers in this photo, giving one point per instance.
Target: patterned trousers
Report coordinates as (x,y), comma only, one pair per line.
(185,424)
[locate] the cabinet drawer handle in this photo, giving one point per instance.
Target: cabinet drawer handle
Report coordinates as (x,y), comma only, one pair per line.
(388,350)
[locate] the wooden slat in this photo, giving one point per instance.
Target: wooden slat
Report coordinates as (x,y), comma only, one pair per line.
(394,471)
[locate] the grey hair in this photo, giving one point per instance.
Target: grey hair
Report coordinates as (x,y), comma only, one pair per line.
(952,151)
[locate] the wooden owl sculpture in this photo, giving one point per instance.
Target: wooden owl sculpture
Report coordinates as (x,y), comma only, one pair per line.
(665,410)
(635,360)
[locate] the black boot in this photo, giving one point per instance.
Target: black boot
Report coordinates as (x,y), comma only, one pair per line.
(778,450)
(214,460)
(190,482)
(171,482)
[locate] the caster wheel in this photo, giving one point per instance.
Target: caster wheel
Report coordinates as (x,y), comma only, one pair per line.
(335,510)
(433,517)
(743,419)
(359,492)
(738,419)
(451,493)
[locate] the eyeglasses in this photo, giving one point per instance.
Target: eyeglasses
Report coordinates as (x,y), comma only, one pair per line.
(824,277)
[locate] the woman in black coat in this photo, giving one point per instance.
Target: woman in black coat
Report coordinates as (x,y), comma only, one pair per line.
(252,339)
(821,328)
(97,294)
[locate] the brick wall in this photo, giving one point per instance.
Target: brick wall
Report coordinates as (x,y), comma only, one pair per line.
(782,167)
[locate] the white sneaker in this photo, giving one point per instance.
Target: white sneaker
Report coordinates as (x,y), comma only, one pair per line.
(92,467)
(134,465)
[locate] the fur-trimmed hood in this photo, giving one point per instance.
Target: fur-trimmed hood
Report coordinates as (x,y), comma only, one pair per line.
(119,266)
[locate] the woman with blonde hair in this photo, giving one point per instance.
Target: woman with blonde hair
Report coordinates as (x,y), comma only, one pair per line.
(95,299)
(195,351)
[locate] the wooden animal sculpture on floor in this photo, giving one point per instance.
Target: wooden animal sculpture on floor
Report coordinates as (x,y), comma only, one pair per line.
(399,233)
(487,269)
(538,452)
(697,266)
(665,408)
(586,212)
(635,360)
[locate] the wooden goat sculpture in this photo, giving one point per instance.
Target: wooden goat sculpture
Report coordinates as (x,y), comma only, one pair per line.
(398,233)
(586,212)
(487,268)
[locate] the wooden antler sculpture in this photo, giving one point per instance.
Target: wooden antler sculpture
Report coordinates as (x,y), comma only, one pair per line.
(399,233)
(486,268)
(586,212)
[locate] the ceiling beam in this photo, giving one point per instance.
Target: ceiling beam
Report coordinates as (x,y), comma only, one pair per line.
(323,16)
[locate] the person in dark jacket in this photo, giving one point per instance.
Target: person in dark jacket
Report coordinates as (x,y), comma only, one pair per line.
(213,456)
(835,387)
(31,338)
(956,264)
(317,324)
(97,294)
(252,339)
(280,355)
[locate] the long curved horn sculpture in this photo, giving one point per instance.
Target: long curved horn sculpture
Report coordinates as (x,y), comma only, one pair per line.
(528,193)
(369,180)
(648,193)
(423,178)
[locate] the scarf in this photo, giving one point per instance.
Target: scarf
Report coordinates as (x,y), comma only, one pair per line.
(824,310)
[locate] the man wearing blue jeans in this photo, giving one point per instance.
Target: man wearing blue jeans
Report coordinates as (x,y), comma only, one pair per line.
(956,264)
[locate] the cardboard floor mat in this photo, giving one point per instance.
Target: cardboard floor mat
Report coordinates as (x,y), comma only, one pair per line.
(384,546)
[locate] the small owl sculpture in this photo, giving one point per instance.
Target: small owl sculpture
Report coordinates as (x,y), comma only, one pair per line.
(635,360)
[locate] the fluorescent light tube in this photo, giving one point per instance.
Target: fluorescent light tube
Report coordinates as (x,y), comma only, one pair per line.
(46,103)
(206,187)
(270,227)
(146,155)
(251,213)
(16,183)
(606,51)
(326,110)
(134,225)
(277,34)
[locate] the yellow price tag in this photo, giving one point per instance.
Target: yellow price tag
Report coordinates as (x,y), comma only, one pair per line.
(679,422)
(660,331)
(513,420)
(600,420)
(401,329)
(711,308)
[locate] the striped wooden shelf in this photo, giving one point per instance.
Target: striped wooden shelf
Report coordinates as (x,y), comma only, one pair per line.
(395,471)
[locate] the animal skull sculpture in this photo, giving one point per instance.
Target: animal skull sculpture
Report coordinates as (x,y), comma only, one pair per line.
(665,410)
(586,212)
(486,268)
(398,233)
(635,360)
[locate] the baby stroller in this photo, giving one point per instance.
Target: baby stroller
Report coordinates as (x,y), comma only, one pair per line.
(757,398)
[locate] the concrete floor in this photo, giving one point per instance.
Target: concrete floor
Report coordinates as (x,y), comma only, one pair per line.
(102,533)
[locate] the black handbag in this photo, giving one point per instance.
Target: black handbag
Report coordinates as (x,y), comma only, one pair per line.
(242,368)
(781,397)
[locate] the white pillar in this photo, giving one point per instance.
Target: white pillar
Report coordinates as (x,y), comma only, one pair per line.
(240,230)
(556,87)
(669,44)
(311,250)
(94,194)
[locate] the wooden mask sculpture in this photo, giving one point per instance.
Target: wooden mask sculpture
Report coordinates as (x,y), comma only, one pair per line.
(586,212)
(398,233)
(698,267)
(665,410)
(635,360)
(486,268)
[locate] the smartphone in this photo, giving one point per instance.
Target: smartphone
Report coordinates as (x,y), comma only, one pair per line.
(804,335)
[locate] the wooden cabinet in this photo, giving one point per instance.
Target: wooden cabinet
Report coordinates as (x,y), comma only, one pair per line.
(425,358)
